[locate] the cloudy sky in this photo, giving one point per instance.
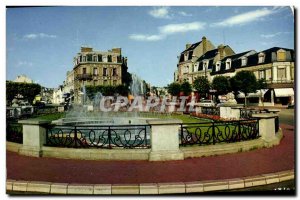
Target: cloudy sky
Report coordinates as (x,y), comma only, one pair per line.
(42,41)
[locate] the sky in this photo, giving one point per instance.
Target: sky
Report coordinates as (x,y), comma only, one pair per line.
(42,41)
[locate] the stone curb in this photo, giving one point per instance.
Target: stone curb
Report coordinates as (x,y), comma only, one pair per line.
(148,188)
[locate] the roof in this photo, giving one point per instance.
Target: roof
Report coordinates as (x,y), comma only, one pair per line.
(236,56)
(192,47)
(208,55)
(252,60)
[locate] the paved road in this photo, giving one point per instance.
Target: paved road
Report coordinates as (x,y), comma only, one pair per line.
(287,116)
(242,164)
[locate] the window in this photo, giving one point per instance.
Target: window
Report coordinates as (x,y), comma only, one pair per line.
(261,58)
(228,63)
(104,59)
(268,74)
(115,82)
(261,74)
(99,58)
(105,82)
(104,71)
(244,61)
(95,71)
(80,58)
(83,59)
(115,72)
(196,67)
(281,73)
(281,55)
(95,58)
(119,59)
(218,66)
(83,70)
(181,58)
(109,58)
(89,57)
(95,82)
(186,56)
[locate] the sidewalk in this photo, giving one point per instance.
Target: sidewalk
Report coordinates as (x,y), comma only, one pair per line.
(256,162)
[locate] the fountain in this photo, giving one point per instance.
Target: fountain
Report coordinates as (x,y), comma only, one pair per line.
(80,115)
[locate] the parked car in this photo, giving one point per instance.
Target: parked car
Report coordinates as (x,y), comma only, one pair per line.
(207,103)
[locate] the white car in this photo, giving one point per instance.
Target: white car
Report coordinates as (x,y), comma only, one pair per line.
(207,103)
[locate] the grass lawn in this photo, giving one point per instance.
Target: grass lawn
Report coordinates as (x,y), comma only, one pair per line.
(50,117)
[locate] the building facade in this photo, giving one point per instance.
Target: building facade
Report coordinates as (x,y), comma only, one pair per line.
(274,65)
(188,58)
(94,68)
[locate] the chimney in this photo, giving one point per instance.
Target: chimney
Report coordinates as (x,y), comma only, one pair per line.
(204,44)
(117,50)
(221,51)
(86,49)
(187,46)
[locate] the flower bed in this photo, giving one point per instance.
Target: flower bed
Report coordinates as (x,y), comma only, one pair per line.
(211,117)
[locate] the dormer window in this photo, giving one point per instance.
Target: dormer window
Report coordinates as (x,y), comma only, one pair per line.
(228,64)
(244,61)
(196,67)
(185,56)
(281,55)
(205,64)
(99,58)
(261,58)
(218,66)
(95,58)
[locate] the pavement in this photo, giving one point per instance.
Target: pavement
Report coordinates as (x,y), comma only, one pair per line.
(242,164)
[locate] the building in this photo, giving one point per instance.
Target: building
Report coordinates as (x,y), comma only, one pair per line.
(274,65)
(23,79)
(94,68)
(205,63)
(188,58)
(58,95)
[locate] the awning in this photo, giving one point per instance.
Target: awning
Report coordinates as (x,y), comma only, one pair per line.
(258,93)
(284,92)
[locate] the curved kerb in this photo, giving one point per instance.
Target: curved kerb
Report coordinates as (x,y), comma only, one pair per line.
(147,188)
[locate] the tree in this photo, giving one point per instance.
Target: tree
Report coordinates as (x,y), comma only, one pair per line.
(174,89)
(201,84)
(244,81)
(261,84)
(186,88)
(27,90)
(221,85)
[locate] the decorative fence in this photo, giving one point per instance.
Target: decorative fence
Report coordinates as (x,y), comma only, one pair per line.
(247,114)
(86,136)
(14,132)
(218,132)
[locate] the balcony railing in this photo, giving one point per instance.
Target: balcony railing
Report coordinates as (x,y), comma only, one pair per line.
(279,81)
(84,76)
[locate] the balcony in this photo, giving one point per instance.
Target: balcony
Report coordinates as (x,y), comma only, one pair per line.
(281,83)
(84,77)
